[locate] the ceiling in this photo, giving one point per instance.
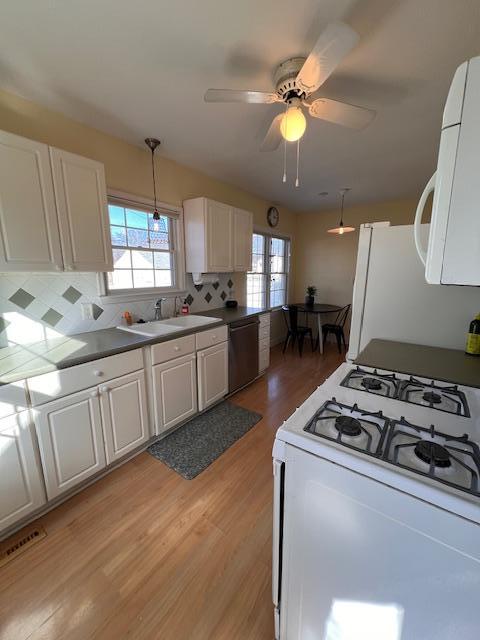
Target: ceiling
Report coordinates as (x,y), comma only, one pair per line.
(138,69)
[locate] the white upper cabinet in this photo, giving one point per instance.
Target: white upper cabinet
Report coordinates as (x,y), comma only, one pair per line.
(216,237)
(21,487)
(53,209)
(81,197)
(242,234)
(28,216)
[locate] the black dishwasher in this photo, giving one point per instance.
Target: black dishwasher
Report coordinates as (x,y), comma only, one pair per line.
(242,353)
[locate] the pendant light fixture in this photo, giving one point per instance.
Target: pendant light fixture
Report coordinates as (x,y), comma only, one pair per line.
(152,144)
(341,229)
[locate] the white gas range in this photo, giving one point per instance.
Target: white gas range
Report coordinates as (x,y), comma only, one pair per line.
(377,511)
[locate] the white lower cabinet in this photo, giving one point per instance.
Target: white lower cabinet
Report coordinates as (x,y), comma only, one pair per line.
(212,367)
(124,413)
(21,486)
(174,392)
(70,437)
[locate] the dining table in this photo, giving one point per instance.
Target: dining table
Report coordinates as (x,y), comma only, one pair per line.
(318,309)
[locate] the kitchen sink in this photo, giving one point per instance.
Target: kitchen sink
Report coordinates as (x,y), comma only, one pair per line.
(170,325)
(188,322)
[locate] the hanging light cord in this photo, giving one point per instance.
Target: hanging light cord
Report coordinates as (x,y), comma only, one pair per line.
(297,182)
(284,179)
(341,212)
(155,212)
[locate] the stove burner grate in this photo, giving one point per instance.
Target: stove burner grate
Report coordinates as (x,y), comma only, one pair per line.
(436,396)
(383,384)
(432,453)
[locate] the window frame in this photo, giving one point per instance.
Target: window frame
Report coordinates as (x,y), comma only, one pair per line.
(267,273)
(175,215)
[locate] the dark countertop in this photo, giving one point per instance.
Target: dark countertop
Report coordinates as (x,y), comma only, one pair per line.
(447,365)
(18,362)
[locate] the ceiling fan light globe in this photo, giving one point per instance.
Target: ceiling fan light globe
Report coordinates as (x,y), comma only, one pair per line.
(293,124)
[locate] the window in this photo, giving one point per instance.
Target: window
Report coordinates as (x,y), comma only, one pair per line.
(268,280)
(143,249)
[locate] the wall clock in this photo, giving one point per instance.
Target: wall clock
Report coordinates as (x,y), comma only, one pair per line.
(273,216)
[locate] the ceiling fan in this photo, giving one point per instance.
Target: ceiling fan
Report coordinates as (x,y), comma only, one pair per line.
(296,80)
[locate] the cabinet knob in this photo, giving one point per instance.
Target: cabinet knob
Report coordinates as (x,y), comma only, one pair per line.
(94,393)
(58,267)
(202,355)
(104,389)
(177,348)
(214,337)
(98,373)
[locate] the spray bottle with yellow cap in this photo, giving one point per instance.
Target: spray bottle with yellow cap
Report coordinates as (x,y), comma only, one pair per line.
(473,337)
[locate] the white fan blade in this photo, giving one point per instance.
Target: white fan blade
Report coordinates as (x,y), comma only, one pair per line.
(234,95)
(331,47)
(274,136)
(342,113)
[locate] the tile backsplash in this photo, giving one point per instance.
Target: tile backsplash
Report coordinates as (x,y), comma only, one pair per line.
(38,305)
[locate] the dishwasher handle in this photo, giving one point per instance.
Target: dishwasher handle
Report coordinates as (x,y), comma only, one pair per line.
(242,326)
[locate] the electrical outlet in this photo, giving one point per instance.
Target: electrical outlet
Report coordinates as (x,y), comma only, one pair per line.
(87,310)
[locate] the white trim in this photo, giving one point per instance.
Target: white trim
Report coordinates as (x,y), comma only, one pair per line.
(137,295)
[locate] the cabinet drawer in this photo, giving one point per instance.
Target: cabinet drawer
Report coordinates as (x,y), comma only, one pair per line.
(172,349)
(264,332)
(65,381)
(264,319)
(264,359)
(211,337)
(13,398)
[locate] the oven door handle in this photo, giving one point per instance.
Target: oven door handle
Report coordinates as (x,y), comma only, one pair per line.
(278,479)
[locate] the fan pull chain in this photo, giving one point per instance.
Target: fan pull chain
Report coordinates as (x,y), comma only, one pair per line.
(297,182)
(284,179)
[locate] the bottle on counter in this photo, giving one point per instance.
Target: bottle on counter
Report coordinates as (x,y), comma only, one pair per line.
(185,309)
(473,337)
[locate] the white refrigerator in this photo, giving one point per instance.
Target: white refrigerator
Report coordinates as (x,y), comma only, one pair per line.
(392,300)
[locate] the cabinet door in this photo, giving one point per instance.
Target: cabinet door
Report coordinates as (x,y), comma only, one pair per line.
(125,416)
(70,436)
(29,239)
(174,392)
(21,486)
(81,196)
(212,374)
(242,240)
(219,237)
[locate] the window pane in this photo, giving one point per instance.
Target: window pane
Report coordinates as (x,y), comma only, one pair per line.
(122,259)
(120,279)
(116,214)
(159,240)
(277,264)
(163,278)
(137,219)
(137,238)
(143,278)
(161,260)
(118,235)
(277,282)
(255,290)
(142,259)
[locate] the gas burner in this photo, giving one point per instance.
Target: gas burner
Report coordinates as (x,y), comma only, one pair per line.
(435,396)
(371,384)
(453,460)
(350,426)
(432,453)
(432,398)
(381,384)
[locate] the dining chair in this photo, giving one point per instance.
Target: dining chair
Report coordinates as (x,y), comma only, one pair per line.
(337,328)
(294,330)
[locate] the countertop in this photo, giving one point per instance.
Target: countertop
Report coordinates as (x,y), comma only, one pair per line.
(18,362)
(447,365)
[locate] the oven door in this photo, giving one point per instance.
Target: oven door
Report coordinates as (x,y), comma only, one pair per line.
(278,484)
(362,560)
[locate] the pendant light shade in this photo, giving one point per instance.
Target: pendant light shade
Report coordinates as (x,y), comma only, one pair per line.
(152,144)
(341,229)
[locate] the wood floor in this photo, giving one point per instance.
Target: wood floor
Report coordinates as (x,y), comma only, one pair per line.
(145,554)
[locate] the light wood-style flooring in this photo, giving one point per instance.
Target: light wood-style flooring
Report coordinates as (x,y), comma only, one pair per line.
(144,554)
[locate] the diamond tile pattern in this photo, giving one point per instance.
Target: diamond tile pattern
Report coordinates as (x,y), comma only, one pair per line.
(223,295)
(215,285)
(97,311)
(198,287)
(208,297)
(230,283)
(22,298)
(52,317)
(189,299)
(3,324)
(72,295)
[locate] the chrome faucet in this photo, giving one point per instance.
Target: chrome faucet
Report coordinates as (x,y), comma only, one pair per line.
(158,309)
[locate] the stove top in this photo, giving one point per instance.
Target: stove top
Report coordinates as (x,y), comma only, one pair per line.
(452,460)
(434,395)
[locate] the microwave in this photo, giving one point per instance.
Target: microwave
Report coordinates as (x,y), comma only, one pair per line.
(452,255)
